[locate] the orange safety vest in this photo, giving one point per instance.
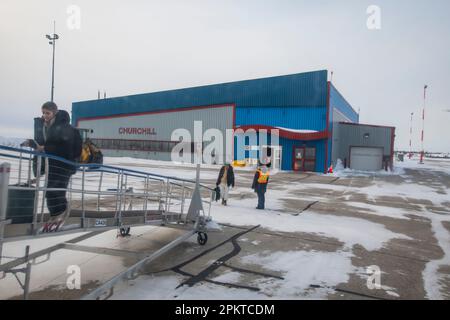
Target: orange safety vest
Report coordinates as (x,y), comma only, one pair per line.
(85,154)
(263,177)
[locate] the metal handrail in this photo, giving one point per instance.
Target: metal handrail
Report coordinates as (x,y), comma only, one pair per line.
(150,188)
(95,167)
(169,188)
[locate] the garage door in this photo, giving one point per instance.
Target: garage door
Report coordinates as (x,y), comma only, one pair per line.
(367,159)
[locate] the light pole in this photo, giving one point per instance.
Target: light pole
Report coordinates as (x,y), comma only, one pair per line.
(410,136)
(52,42)
(423,121)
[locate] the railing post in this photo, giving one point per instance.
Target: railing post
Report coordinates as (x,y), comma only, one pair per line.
(124,190)
(26,287)
(167,196)
(5,169)
(182,198)
(170,197)
(120,195)
(161,186)
(45,189)
(70,189)
(117,194)
(99,191)
(69,203)
(83,211)
(30,161)
(36,194)
(20,169)
(146,198)
(210,203)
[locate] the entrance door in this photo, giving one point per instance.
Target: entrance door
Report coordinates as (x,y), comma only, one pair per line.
(304,159)
(299,158)
(272,154)
(277,153)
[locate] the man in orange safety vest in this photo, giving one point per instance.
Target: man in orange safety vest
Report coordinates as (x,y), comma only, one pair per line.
(260,181)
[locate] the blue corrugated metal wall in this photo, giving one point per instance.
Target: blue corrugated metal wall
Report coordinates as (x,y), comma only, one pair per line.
(303,89)
(307,118)
(338,101)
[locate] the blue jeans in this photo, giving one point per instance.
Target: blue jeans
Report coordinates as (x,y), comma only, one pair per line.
(261,191)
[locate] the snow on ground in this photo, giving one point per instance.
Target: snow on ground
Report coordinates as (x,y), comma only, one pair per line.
(405,190)
(396,213)
(383,188)
(441,165)
(431,276)
(183,170)
(433,194)
(143,289)
(340,171)
(318,268)
(326,269)
(348,230)
(11,142)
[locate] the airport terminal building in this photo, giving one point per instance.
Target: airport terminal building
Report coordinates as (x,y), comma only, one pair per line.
(315,125)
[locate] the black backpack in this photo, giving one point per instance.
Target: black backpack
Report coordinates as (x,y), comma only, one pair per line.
(217,194)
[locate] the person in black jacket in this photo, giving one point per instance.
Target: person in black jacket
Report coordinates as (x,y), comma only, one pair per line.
(225,181)
(260,181)
(58,138)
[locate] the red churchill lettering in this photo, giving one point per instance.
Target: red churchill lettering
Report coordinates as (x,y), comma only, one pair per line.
(137,131)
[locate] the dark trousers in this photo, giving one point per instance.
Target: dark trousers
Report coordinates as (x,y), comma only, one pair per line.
(56,200)
(261,191)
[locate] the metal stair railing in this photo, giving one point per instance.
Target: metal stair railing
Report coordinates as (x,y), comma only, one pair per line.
(97,189)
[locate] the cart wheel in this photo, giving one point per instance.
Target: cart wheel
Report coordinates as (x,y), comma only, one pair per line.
(125,231)
(202,238)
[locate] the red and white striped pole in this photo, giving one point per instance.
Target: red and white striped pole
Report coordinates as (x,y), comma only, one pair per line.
(423,121)
(410,136)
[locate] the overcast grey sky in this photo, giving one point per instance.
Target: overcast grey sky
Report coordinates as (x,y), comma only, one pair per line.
(130,47)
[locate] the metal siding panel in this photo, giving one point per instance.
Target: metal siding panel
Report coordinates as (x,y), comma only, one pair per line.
(335,144)
(336,116)
(304,89)
(353,135)
(338,101)
(164,123)
(307,118)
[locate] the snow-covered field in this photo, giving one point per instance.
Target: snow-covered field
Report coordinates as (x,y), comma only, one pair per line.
(11,142)
(327,269)
(315,265)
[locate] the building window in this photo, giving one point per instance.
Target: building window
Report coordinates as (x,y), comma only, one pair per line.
(138,145)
